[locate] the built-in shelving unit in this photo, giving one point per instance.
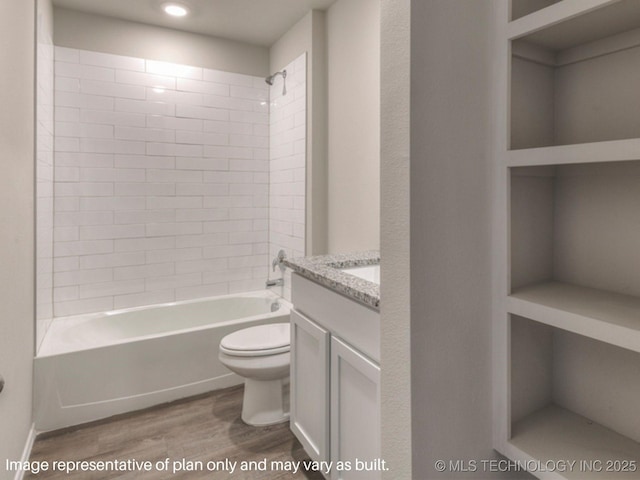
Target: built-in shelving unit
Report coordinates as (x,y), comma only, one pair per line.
(567,236)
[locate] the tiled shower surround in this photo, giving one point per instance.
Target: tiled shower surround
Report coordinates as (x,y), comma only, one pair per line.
(44,177)
(287,165)
(161,182)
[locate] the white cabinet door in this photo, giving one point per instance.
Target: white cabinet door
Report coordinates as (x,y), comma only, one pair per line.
(355,413)
(310,386)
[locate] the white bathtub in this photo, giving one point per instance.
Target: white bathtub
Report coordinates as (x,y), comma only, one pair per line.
(97,365)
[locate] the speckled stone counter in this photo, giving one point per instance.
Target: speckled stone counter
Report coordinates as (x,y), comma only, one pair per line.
(325,270)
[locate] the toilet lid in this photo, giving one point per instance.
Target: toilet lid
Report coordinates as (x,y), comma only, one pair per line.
(274,336)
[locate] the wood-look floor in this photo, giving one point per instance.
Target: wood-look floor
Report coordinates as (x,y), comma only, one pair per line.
(207,427)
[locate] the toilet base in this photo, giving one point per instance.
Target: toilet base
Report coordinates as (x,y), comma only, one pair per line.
(265,402)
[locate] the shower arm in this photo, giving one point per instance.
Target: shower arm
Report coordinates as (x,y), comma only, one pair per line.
(283,73)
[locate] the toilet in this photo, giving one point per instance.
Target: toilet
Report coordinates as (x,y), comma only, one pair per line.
(260,355)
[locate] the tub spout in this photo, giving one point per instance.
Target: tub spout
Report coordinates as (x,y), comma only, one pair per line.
(279,282)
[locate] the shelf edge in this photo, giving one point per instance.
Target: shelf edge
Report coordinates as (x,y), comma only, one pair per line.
(552,15)
(607,151)
(516,454)
(601,330)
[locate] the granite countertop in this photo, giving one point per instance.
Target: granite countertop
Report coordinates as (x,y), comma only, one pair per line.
(325,270)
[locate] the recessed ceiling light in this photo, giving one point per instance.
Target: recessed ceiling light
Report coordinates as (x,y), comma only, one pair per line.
(175,9)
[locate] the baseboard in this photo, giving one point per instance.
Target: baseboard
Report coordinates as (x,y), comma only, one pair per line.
(26,453)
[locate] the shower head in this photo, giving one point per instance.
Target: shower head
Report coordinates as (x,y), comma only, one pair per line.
(271,78)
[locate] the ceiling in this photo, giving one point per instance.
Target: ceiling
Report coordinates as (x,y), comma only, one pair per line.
(260,22)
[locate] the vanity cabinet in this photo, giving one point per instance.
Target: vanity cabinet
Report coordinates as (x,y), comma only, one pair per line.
(335,378)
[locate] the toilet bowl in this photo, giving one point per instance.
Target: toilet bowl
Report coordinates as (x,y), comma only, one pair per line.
(261,356)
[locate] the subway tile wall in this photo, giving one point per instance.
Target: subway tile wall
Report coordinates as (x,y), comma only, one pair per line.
(161,182)
(44,177)
(287,166)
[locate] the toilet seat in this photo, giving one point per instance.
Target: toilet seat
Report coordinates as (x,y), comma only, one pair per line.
(258,341)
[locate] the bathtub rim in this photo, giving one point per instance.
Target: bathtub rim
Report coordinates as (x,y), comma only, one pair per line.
(70,321)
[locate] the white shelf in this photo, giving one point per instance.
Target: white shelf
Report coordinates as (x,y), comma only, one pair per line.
(609,317)
(556,434)
(608,151)
(569,23)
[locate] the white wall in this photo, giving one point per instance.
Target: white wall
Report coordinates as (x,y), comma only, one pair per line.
(308,36)
(110,35)
(161,193)
(395,308)
(296,41)
(17,20)
(353,66)
(451,191)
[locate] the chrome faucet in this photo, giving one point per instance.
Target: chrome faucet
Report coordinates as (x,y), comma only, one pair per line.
(277,262)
